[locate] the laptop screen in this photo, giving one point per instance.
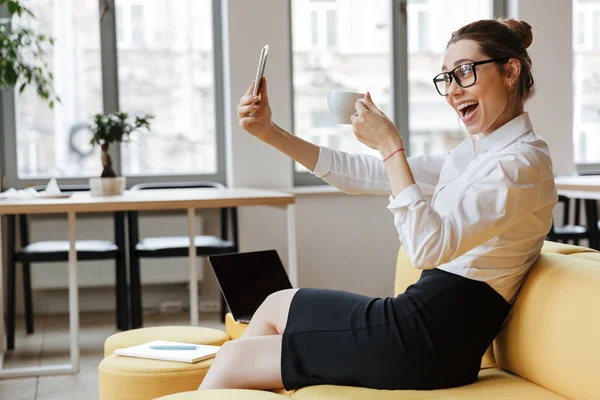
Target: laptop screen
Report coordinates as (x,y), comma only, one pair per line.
(246,279)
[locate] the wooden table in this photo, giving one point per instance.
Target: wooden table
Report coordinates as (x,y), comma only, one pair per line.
(176,199)
(588,188)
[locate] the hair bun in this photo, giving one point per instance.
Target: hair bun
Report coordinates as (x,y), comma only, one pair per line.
(522,28)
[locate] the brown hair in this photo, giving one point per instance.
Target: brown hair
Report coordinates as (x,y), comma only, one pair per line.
(503,38)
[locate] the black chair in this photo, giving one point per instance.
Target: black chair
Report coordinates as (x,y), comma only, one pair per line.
(58,251)
(174,246)
(569,232)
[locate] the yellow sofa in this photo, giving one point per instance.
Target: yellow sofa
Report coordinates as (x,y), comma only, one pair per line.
(549,348)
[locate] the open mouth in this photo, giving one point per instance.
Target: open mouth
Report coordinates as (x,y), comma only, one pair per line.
(467,110)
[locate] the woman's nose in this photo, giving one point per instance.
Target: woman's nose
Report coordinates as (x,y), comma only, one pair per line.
(454,88)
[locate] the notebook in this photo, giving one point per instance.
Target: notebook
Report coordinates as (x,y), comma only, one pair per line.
(246,279)
(202,352)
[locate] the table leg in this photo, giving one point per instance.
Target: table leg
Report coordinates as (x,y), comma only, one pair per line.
(73,321)
(591,214)
(193,267)
(292,246)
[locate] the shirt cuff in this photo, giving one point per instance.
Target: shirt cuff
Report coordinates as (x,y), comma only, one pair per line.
(324,163)
(405,197)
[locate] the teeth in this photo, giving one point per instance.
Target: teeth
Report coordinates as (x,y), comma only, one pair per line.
(463,105)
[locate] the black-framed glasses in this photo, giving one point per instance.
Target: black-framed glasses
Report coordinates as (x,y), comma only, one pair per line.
(464,75)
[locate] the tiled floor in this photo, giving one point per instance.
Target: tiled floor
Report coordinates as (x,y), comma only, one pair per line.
(50,345)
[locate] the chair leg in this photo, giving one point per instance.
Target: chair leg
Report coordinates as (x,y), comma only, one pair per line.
(10,290)
(591,214)
(121,295)
(122,321)
(28,298)
(134,273)
(135,291)
(121,274)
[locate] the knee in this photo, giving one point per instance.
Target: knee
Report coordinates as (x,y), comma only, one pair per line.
(276,301)
(228,350)
(280,296)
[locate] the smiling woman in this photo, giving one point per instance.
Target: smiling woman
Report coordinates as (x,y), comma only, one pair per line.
(491,75)
(475,240)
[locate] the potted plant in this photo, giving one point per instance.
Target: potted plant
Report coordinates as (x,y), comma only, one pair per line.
(113,128)
(23,58)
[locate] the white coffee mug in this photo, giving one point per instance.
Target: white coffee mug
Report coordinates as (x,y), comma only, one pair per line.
(341,105)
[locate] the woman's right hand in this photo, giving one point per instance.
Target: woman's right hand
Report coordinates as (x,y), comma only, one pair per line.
(259,123)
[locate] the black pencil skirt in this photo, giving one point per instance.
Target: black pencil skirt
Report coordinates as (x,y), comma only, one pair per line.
(432,336)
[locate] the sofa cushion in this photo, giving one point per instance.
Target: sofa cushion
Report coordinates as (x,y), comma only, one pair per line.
(140,379)
(552,334)
(492,384)
(562,248)
(588,256)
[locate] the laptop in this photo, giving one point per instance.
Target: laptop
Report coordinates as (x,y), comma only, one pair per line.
(246,279)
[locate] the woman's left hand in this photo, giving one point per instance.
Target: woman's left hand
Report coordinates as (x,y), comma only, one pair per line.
(373,128)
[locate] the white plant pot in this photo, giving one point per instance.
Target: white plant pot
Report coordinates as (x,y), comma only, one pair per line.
(107,186)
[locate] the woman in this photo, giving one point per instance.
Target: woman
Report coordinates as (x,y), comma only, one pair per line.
(475,242)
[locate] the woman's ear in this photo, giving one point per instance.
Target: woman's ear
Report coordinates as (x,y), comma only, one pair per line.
(513,70)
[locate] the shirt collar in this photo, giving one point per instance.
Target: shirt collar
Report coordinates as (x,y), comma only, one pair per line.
(507,133)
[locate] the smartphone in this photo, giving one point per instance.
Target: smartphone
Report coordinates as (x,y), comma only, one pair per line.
(262,62)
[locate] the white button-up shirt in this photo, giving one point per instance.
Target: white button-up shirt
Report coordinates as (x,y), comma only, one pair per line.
(491,207)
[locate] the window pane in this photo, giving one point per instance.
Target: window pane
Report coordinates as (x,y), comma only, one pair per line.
(315,28)
(55,143)
(353,56)
(165,63)
(331,29)
(433,124)
(586,64)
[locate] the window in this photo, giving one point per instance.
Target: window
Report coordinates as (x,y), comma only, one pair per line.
(433,125)
(131,29)
(323,22)
(55,143)
(361,60)
(418,25)
(586,75)
(168,72)
(353,56)
(166,56)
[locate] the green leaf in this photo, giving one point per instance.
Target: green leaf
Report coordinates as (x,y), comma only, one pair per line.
(13,6)
(22,87)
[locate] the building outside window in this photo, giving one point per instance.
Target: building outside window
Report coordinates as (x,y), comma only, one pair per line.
(586,82)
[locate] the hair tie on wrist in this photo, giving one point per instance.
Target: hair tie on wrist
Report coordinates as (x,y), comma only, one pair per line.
(400,149)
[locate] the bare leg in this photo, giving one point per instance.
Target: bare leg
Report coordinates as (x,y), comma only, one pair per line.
(254,360)
(246,363)
(271,316)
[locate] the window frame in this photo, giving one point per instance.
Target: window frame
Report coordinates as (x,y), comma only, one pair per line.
(400,53)
(110,91)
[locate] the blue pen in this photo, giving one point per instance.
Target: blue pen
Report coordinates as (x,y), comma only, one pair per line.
(173,347)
